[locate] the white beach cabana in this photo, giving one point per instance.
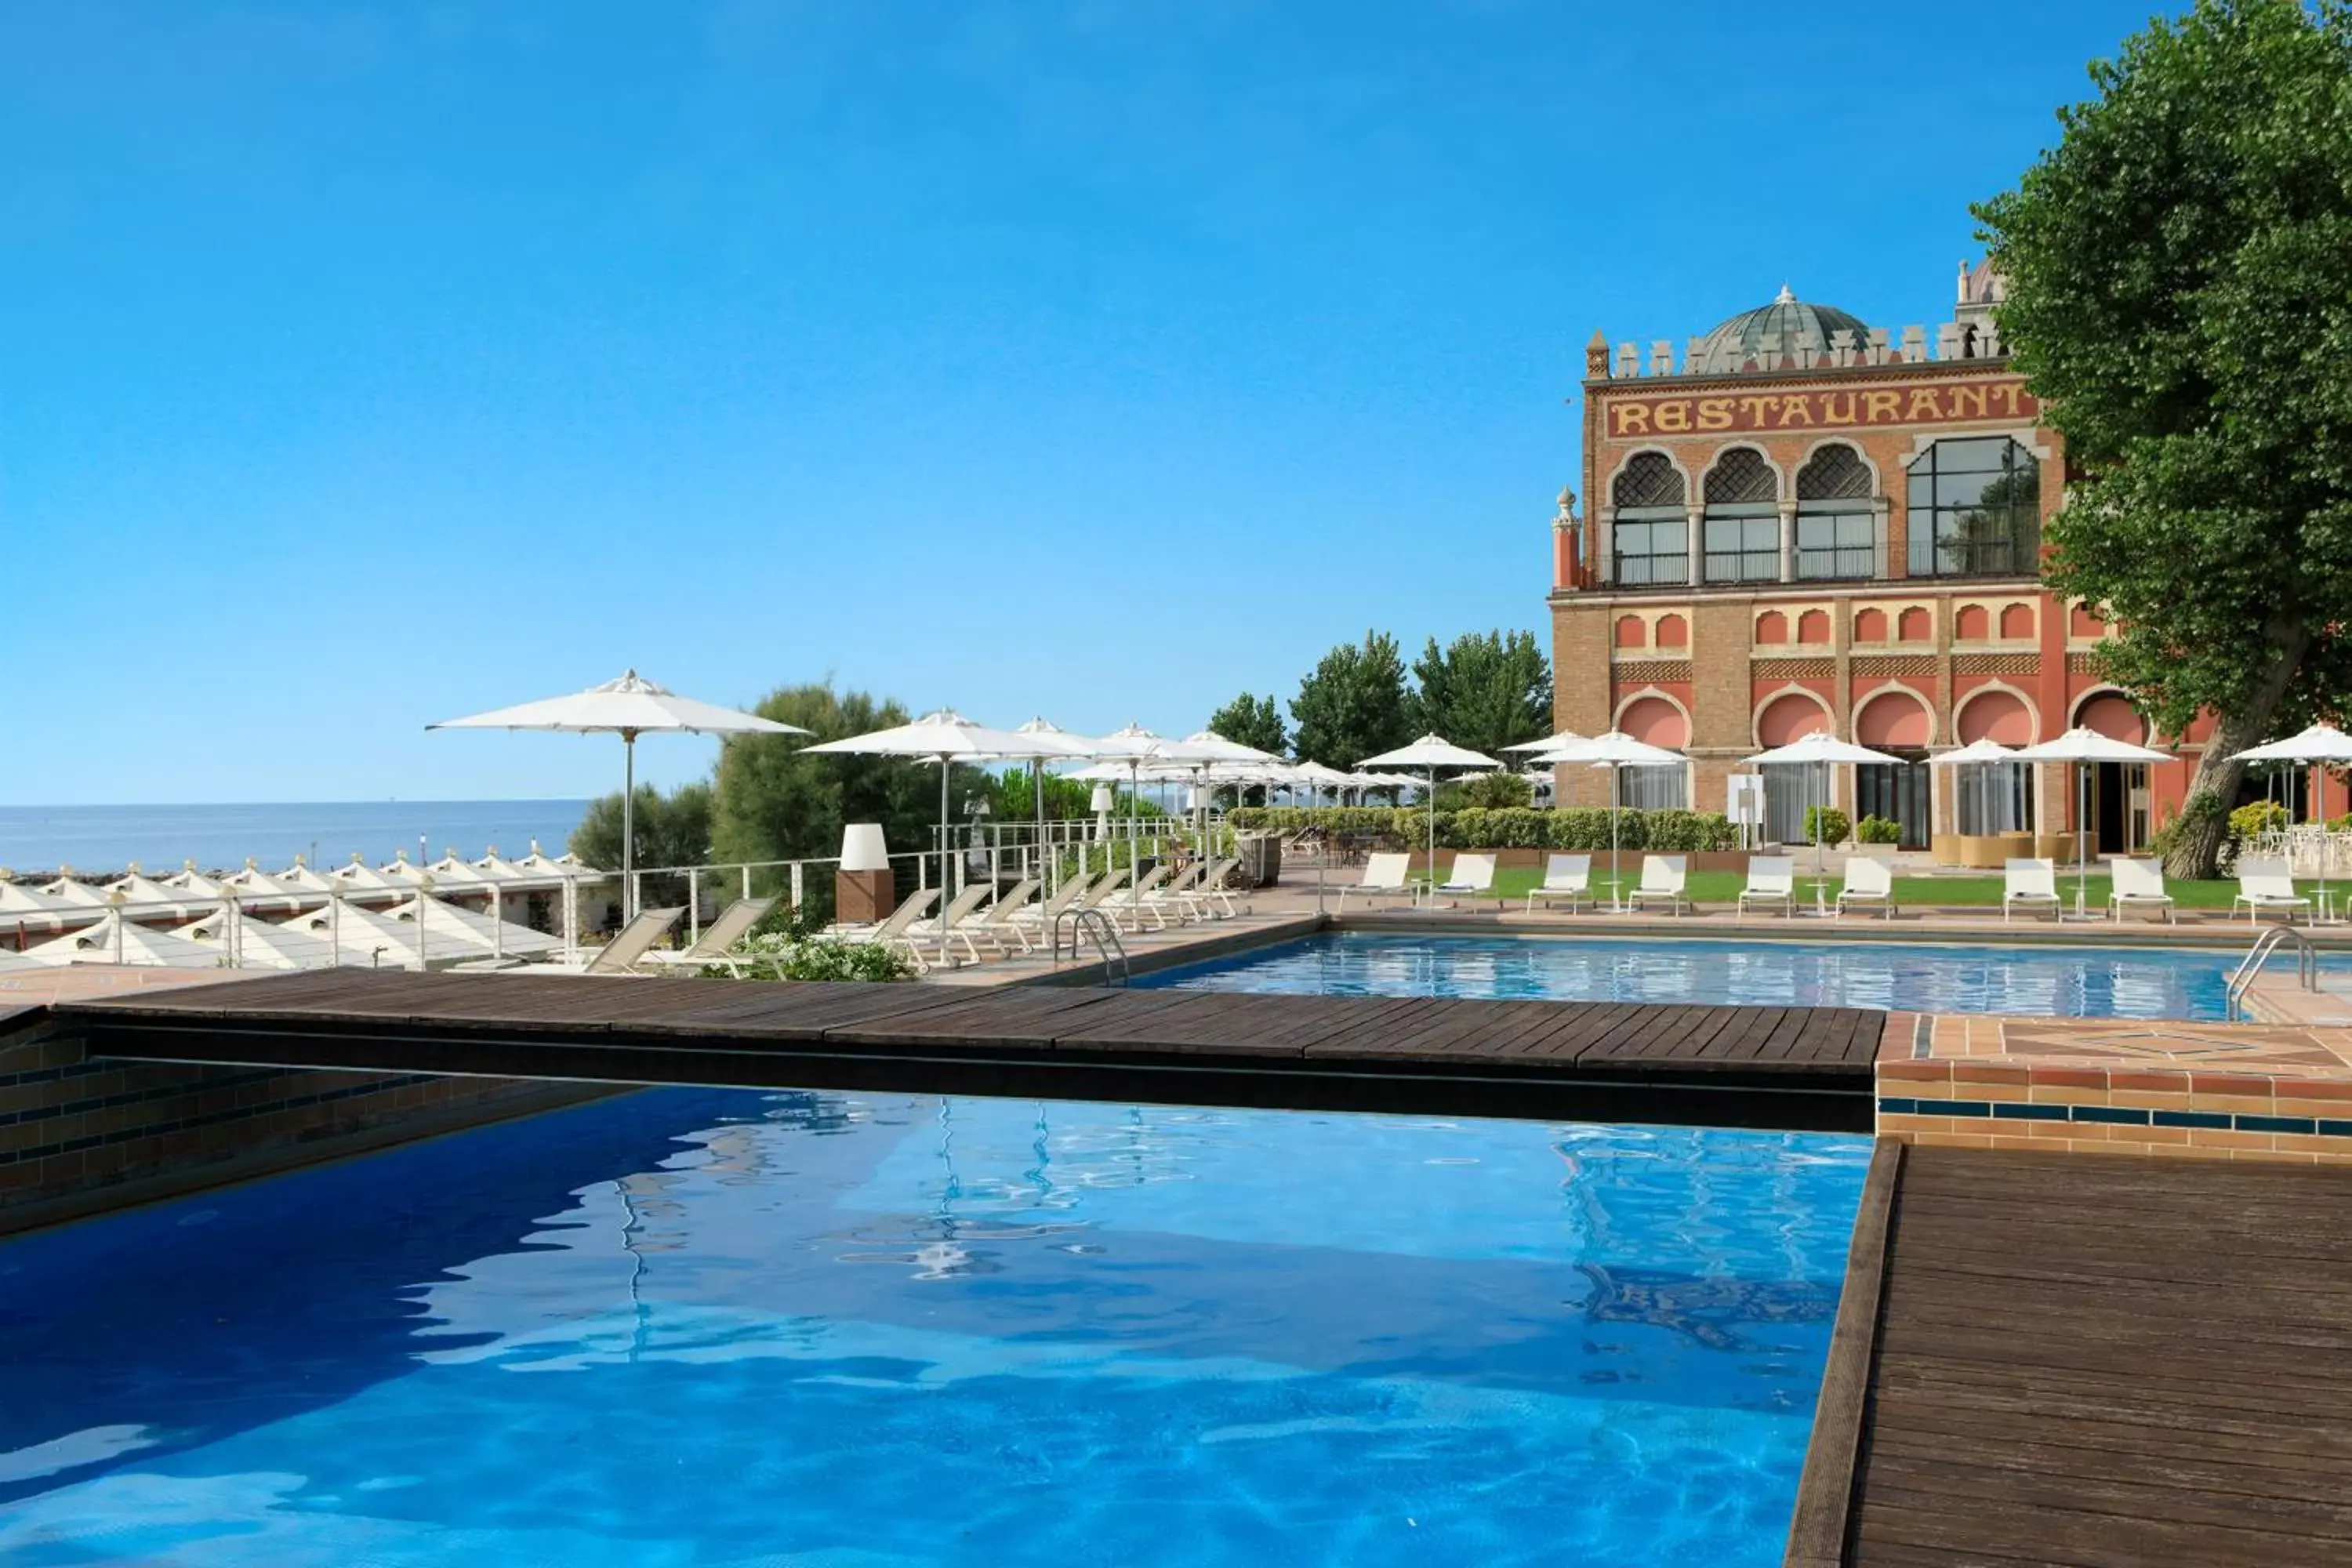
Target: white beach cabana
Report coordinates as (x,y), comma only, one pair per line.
(629,707)
(114,940)
(30,909)
(2078,746)
(246,942)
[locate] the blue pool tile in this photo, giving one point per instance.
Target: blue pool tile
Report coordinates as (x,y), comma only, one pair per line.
(2336,1129)
(2119,1115)
(2019,1112)
(2276,1124)
(1898,1108)
(2197,1118)
(1953,1107)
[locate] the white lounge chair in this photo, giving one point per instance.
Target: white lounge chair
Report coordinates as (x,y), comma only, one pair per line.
(712,948)
(1869,884)
(1473,876)
(1771,884)
(1662,877)
(1566,876)
(1127,907)
(2031,885)
(956,920)
(630,944)
(1212,889)
(2265,884)
(1000,925)
(2139,885)
(1386,875)
(1037,919)
(885,930)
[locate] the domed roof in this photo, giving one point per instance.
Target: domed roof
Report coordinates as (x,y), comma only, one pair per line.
(1742,336)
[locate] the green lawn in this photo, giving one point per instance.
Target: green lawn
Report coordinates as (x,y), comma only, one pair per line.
(1923,892)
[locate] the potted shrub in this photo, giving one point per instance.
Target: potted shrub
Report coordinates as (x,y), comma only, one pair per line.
(1878,836)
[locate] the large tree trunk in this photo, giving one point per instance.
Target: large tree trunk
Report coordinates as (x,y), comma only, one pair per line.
(2205,816)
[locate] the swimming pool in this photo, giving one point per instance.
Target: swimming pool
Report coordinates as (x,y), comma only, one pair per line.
(692,1327)
(2087,983)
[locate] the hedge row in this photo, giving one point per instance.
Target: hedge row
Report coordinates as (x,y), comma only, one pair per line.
(1520,827)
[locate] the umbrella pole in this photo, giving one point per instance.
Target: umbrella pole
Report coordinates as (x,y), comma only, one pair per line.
(628,823)
(947,865)
(1616,878)
(1038,855)
(1432,834)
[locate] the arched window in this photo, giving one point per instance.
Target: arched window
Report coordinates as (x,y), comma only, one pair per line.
(1976,510)
(1651,535)
(1837,528)
(1743,518)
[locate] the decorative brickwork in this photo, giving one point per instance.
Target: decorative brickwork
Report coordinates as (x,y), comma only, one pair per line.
(1873,665)
(1995,663)
(1638,670)
(1767,668)
(2082,664)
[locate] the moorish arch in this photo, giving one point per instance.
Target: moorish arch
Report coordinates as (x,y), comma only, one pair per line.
(1655,718)
(1998,713)
(1971,622)
(1632,632)
(2112,713)
(1895,718)
(1791,714)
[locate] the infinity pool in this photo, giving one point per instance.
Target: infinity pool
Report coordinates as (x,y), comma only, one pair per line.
(700,1328)
(2081,983)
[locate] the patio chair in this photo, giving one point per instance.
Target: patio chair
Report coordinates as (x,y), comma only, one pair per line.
(956,920)
(632,942)
(1662,877)
(1387,874)
(2140,885)
(2029,884)
(1000,922)
(712,948)
(1869,884)
(2266,884)
(1127,907)
(1566,876)
(1212,888)
(1472,877)
(885,930)
(1771,884)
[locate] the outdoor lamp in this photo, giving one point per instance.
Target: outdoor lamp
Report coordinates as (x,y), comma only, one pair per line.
(1102,800)
(862,848)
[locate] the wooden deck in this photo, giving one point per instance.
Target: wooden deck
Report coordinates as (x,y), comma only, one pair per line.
(2091,1360)
(1795,1068)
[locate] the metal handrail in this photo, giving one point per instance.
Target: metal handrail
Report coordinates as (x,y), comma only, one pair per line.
(1096,924)
(2250,968)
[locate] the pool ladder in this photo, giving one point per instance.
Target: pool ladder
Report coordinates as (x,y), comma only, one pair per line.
(2250,969)
(1097,926)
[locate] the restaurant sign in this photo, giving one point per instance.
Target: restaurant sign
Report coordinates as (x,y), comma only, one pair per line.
(1701,414)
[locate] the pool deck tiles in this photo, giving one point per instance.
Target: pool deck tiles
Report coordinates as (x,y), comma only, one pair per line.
(2150,1371)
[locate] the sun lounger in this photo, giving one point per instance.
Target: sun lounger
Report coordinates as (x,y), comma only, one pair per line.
(1128,908)
(712,948)
(1566,876)
(1771,883)
(1037,919)
(630,944)
(1213,889)
(1386,875)
(2267,884)
(922,938)
(2139,885)
(1000,924)
(2029,885)
(1869,884)
(1472,876)
(1662,877)
(898,920)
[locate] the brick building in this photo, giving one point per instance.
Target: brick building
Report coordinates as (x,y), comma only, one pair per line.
(1807,523)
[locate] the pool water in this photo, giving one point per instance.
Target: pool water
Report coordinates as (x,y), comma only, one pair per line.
(2078,983)
(689,1327)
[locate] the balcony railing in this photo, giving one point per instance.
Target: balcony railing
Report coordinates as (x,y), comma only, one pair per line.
(2016,554)
(1848,564)
(1743,566)
(1653,571)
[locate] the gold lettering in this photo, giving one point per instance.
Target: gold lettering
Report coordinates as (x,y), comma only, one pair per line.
(1751,412)
(1796,408)
(1963,396)
(1674,415)
(1879,406)
(2009,398)
(1924,405)
(1834,412)
(1629,419)
(1715,414)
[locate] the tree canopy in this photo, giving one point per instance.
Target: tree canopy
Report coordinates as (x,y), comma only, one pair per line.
(2177,275)
(1353,704)
(1252,721)
(1484,690)
(671,829)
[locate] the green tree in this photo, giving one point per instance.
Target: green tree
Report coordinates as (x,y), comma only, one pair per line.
(774,802)
(2175,271)
(671,829)
(1353,704)
(1484,690)
(1252,721)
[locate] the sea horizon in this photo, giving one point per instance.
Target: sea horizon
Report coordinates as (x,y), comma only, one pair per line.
(162,836)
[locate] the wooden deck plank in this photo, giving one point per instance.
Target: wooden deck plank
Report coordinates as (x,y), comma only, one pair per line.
(2112,1361)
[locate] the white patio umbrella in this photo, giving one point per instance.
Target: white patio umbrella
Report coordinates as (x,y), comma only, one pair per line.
(1316,776)
(1210,753)
(629,707)
(1822,750)
(2323,744)
(1082,747)
(1554,743)
(946,737)
(1615,751)
(1431,753)
(2077,746)
(1985,752)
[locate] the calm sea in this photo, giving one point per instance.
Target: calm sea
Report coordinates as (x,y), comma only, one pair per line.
(109,837)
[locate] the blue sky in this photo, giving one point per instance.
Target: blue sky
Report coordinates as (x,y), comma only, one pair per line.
(366,364)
